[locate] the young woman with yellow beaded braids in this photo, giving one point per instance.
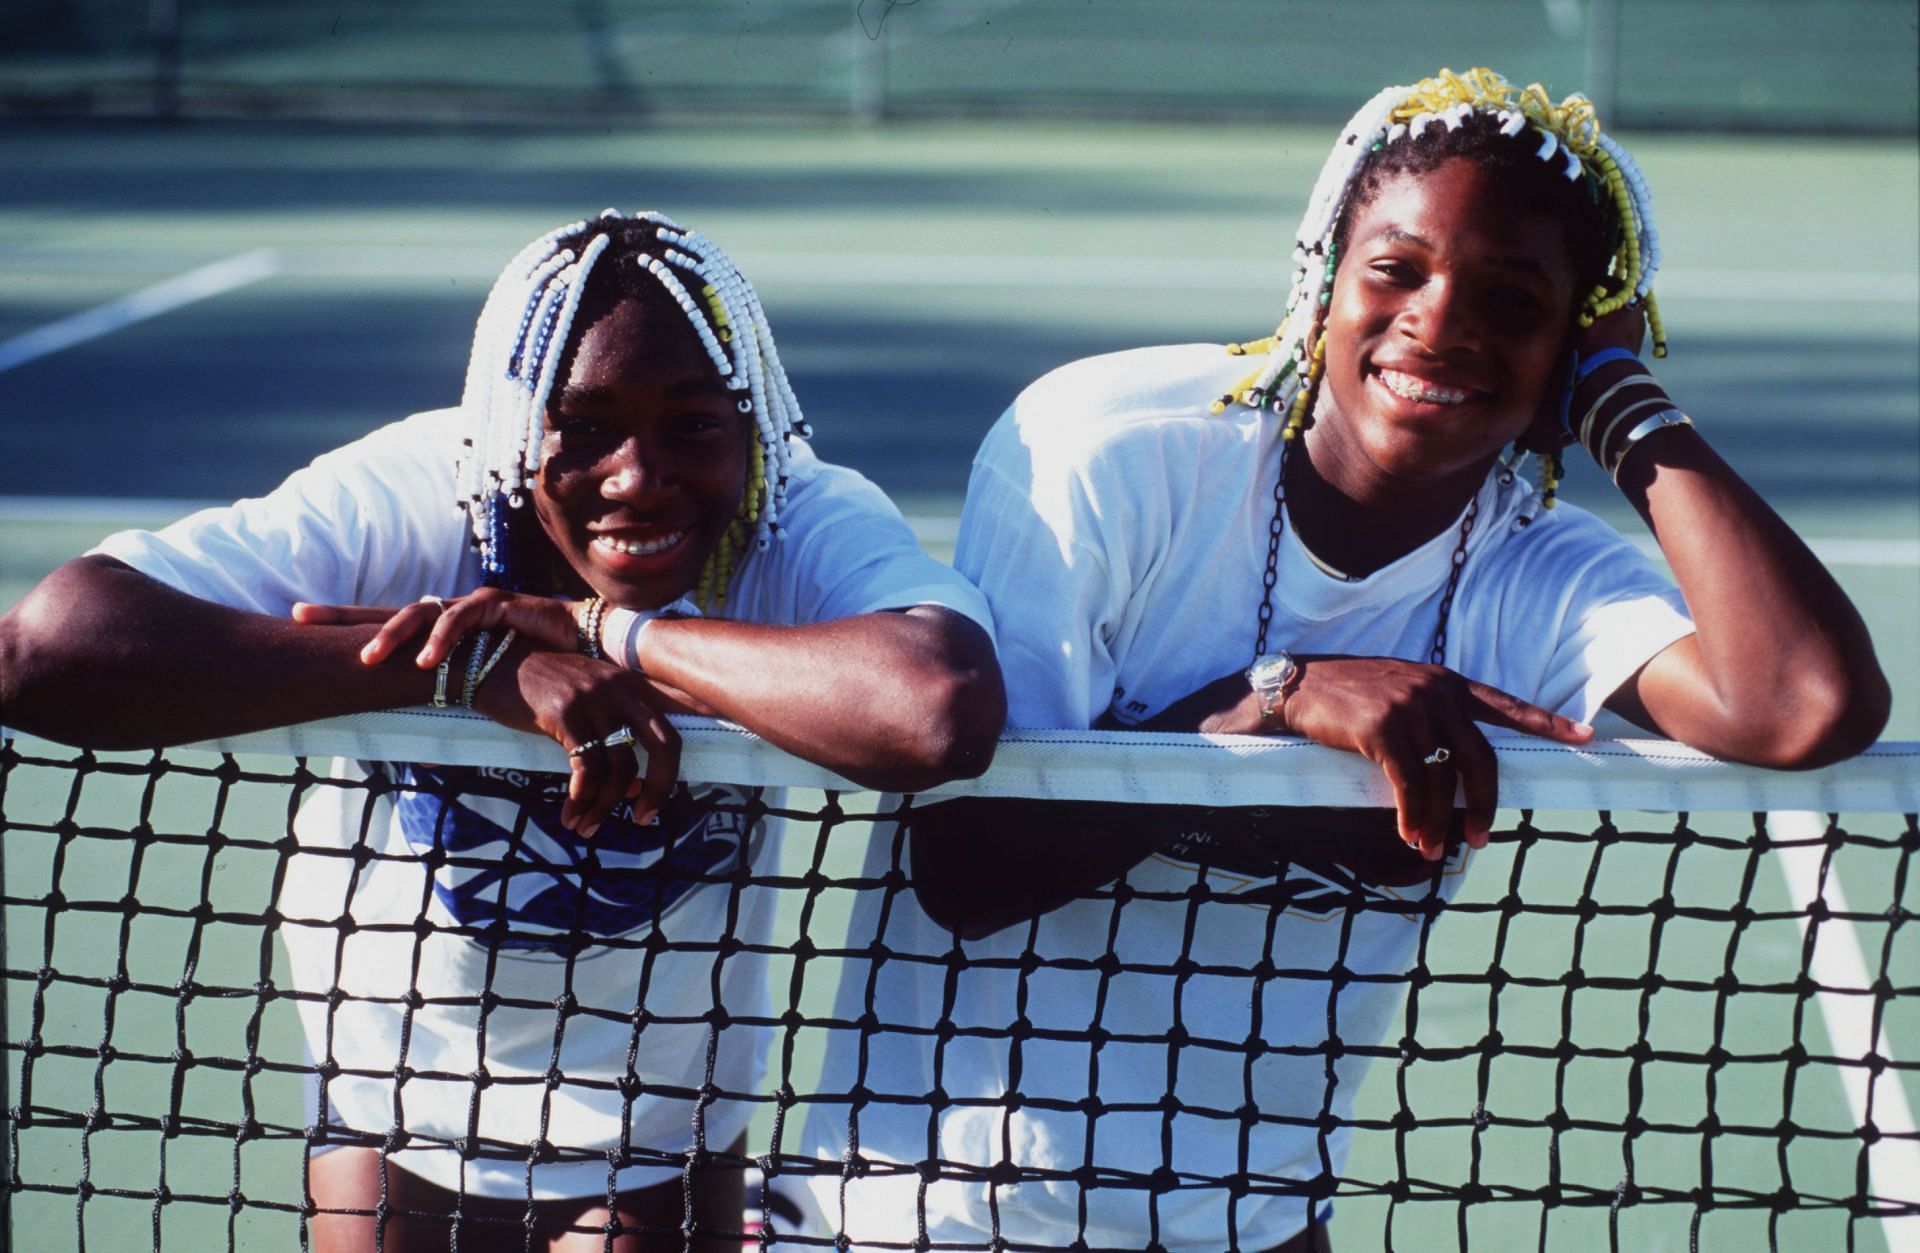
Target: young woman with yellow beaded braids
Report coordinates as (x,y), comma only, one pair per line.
(1334,544)
(619,521)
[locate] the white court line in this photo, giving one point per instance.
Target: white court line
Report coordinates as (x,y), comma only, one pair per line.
(182,289)
(1893,1165)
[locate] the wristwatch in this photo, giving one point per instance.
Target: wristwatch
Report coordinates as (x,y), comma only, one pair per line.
(1269,676)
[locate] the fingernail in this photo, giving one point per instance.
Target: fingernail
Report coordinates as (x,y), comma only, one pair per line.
(1583,728)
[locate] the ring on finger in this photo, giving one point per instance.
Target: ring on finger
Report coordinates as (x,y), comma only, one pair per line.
(586,746)
(622,736)
(1439,756)
(438,602)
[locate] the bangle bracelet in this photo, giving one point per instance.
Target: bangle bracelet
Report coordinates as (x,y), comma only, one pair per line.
(1598,447)
(493,659)
(441,673)
(474,661)
(622,628)
(1593,410)
(1659,421)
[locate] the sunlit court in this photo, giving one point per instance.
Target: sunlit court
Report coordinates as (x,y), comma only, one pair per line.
(1675,1004)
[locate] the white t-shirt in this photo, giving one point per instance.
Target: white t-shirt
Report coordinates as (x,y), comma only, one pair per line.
(1120,532)
(518,905)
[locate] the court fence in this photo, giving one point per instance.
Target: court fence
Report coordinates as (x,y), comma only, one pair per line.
(1843,67)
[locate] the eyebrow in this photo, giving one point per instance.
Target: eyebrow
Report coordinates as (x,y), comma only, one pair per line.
(596,393)
(1526,264)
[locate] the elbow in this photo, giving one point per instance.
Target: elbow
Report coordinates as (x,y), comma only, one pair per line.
(958,715)
(1826,718)
(30,695)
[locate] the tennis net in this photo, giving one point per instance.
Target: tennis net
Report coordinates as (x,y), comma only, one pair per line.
(1674,1001)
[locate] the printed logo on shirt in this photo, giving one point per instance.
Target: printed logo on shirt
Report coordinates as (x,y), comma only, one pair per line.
(512,869)
(1312,861)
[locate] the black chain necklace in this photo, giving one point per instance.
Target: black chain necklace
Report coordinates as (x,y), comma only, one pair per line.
(1271,578)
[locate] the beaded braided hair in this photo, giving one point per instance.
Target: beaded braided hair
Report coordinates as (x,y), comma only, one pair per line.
(1481,116)
(522,340)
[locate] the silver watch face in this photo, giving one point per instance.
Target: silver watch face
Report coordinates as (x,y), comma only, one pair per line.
(1271,672)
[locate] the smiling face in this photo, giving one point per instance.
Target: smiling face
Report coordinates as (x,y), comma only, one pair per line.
(645,458)
(1450,321)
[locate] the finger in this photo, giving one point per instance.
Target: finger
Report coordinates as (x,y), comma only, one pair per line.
(1436,818)
(1479,773)
(619,765)
(309,614)
(399,626)
(1498,708)
(661,743)
(1412,806)
(463,616)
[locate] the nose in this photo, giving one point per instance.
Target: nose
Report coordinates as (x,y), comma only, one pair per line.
(633,471)
(1442,320)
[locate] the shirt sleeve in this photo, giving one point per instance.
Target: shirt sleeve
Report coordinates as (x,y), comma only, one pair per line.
(373,523)
(1030,539)
(846,551)
(1603,605)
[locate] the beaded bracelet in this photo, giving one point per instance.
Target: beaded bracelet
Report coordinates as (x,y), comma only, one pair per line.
(499,651)
(589,627)
(475,660)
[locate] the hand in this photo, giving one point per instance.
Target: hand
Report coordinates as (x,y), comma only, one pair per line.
(1623,328)
(542,623)
(574,701)
(1416,722)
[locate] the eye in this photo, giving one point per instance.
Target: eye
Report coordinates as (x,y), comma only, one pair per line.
(1515,301)
(1395,271)
(701,425)
(578,429)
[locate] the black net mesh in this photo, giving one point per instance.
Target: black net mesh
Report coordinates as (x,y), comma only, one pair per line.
(1620,1030)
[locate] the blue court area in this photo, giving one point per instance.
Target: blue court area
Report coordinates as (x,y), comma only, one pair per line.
(189,311)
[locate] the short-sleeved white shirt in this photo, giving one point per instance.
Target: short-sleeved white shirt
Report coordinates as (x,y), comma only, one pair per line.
(1120,532)
(376,523)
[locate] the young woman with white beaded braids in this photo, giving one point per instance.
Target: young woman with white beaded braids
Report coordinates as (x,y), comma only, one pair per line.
(619,521)
(1342,543)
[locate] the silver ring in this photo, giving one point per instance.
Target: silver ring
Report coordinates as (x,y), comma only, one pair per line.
(438,602)
(1439,756)
(623,736)
(584,747)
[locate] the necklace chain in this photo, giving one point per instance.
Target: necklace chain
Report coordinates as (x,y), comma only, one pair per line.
(1270,578)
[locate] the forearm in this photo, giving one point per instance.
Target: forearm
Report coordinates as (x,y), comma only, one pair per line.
(981,864)
(895,701)
(1781,671)
(102,656)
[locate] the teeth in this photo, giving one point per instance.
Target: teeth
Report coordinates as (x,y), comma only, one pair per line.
(1411,388)
(641,548)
